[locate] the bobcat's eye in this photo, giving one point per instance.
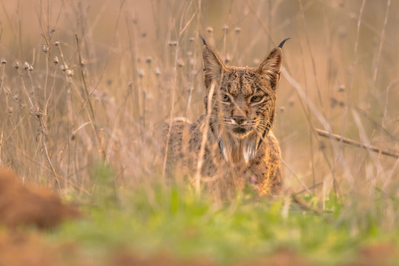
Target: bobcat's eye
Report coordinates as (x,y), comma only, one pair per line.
(256,99)
(225,98)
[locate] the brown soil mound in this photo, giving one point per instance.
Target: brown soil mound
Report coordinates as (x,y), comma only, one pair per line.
(381,254)
(21,249)
(21,205)
(128,259)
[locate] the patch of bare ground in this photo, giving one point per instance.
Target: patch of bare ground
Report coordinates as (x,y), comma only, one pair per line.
(281,257)
(28,206)
(381,254)
(21,249)
(125,258)
(18,249)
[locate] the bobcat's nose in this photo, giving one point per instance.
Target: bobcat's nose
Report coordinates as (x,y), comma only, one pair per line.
(239,120)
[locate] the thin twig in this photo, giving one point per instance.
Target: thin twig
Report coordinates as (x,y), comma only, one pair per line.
(204,140)
(172,106)
(351,79)
(312,187)
(311,57)
(107,61)
(380,46)
(297,177)
(304,205)
(323,133)
(260,21)
(92,115)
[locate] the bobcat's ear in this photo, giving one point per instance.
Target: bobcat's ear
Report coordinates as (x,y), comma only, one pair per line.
(271,65)
(213,67)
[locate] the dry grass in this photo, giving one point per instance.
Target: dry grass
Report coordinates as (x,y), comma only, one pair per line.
(122,68)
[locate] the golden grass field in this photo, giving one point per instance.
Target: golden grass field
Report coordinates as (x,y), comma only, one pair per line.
(97,78)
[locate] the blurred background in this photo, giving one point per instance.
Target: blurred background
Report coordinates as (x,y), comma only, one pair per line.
(84,81)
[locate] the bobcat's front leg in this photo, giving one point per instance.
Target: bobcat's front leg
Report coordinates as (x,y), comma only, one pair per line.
(264,170)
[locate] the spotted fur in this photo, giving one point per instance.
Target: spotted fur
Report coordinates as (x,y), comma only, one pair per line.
(240,148)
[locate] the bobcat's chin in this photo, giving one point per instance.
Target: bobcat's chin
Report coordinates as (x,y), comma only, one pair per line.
(240,132)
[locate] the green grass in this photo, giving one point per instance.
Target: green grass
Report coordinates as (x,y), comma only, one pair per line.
(177,221)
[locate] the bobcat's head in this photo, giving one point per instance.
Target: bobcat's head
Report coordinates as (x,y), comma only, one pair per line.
(244,100)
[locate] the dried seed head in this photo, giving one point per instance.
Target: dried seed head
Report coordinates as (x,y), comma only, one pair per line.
(44,48)
(3,61)
(282,109)
(191,39)
(10,110)
(180,62)
(73,136)
(341,88)
(322,145)
(333,102)
(63,67)
(26,66)
(57,43)
(237,30)
(69,72)
(30,68)
(227,59)
(148,60)
(189,53)
(209,29)
(256,61)
(16,64)
(144,34)
(291,102)
(82,62)
(157,72)
(55,60)
(174,43)
(225,28)
(140,73)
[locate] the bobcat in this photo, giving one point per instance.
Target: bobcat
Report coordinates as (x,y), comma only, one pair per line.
(239,146)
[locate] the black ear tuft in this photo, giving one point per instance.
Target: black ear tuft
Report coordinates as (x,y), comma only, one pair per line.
(282,43)
(203,40)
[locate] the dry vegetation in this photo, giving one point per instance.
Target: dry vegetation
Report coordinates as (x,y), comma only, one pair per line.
(85,81)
